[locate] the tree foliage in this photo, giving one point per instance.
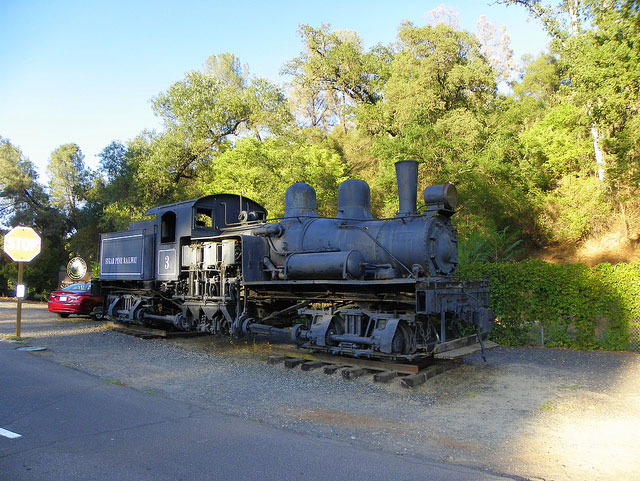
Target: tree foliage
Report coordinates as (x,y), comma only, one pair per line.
(334,74)
(263,170)
(69,179)
(551,160)
(24,201)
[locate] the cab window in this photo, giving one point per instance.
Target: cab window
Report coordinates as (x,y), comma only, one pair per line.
(168,227)
(203,218)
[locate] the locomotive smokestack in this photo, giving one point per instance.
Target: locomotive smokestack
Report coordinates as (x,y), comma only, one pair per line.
(407,177)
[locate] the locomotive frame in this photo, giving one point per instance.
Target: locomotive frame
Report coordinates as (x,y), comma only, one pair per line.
(350,285)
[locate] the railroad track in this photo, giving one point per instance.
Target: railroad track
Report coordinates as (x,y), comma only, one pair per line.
(408,375)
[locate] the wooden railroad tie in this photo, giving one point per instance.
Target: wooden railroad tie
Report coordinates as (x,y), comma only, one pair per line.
(290,363)
(385,376)
(431,371)
(311,365)
(351,373)
(332,368)
(276,359)
(410,375)
(399,367)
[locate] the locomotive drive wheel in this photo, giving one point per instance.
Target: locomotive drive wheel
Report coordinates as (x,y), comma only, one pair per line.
(401,340)
(336,327)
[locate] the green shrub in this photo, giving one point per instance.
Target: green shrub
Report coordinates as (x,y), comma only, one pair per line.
(577,208)
(578,306)
(489,246)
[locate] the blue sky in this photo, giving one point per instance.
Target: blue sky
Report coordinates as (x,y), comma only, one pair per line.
(84,71)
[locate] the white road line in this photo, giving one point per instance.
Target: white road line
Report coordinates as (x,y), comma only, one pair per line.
(9,434)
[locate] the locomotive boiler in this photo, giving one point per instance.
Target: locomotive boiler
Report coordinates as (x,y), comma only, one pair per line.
(349,285)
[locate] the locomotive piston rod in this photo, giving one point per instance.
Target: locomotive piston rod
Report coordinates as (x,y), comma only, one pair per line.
(250,327)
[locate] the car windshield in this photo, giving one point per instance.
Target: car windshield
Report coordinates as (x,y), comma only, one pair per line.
(78,287)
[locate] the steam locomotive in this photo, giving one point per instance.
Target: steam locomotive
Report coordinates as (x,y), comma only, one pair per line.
(350,285)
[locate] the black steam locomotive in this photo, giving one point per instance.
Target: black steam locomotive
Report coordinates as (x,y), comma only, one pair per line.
(350,285)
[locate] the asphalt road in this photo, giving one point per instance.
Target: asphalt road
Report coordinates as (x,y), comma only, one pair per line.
(73,426)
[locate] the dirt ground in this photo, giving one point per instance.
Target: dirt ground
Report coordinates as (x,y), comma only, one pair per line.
(611,247)
(533,413)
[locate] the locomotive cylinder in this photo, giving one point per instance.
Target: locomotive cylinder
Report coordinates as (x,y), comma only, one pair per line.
(325,265)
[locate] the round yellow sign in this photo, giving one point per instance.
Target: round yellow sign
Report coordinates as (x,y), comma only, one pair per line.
(77,268)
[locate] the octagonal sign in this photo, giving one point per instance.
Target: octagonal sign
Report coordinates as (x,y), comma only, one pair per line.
(22,244)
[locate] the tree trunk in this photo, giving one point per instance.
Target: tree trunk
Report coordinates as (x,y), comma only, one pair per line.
(575,21)
(344,114)
(624,220)
(600,163)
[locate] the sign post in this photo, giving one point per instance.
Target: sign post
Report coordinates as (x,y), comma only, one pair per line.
(22,244)
(19,298)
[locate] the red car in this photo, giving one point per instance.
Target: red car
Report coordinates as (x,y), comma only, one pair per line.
(75,299)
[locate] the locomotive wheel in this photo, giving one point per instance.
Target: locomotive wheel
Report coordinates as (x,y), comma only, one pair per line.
(297,334)
(181,322)
(401,343)
(336,326)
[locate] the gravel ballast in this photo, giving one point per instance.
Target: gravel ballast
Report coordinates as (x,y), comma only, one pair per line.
(530,412)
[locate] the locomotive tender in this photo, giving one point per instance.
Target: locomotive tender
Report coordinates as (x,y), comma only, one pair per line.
(350,285)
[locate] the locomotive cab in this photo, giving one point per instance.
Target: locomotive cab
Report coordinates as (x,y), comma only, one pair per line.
(178,224)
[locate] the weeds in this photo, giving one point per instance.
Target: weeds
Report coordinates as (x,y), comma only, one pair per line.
(501,246)
(14,339)
(115,382)
(548,406)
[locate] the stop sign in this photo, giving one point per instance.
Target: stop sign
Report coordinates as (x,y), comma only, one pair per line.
(22,244)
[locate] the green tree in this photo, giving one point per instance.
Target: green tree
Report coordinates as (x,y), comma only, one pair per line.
(542,81)
(596,44)
(69,179)
(264,170)
(557,145)
(19,188)
(436,70)
(24,201)
(438,87)
(203,114)
(334,73)
(208,107)
(437,75)
(117,196)
(114,162)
